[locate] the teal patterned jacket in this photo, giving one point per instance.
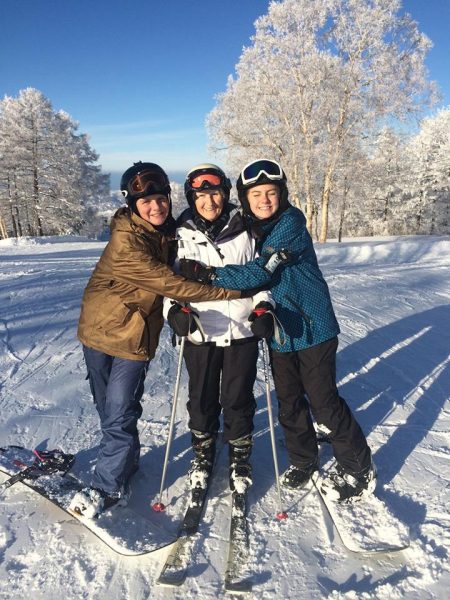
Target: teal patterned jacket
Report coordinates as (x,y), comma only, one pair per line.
(303,303)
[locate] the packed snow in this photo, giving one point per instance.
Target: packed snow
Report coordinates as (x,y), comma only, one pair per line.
(392,299)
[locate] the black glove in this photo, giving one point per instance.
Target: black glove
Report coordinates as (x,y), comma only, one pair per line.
(180,319)
(262,319)
(191,269)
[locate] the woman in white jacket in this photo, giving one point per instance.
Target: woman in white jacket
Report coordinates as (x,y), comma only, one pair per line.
(221,355)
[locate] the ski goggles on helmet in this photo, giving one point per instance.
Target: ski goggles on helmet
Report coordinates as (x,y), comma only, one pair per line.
(205,180)
(253,171)
(147,181)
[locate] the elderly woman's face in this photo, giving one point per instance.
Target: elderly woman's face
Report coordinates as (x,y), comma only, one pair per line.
(209,204)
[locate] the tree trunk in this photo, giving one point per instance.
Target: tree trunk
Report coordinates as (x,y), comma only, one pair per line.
(12,205)
(36,207)
(3,230)
(343,209)
(419,213)
(308,195)
(325,204)
(433,215)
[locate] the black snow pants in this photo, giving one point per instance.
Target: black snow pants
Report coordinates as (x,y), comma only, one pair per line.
(305,383)
(221,378)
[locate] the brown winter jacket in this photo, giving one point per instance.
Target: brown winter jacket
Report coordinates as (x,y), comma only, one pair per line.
(121,311)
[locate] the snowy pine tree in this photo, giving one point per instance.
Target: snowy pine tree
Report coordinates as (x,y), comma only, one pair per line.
(48,174)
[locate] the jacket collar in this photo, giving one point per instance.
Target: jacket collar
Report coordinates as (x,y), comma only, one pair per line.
(125,216)
(233,227)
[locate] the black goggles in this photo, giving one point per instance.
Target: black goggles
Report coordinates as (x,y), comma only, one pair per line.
(253,171)
(147,182)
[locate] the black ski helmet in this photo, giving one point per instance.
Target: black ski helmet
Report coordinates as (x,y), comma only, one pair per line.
(143,179)
(196,183)
(258,172)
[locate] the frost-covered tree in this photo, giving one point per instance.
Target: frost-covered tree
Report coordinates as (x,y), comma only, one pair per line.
(48,174)
(428,184)
(319,77)
(347,214)
(383,189)
(179,202)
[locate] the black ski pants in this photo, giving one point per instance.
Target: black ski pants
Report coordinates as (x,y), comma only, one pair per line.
(305,383)
(221,378)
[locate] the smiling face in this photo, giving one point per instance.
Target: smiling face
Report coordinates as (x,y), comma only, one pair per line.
(264,200)
(209,204)
(153,208)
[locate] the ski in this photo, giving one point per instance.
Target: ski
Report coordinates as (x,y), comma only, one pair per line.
(46,462)
(174,571)
(367,526)
(238,546)
(134,533)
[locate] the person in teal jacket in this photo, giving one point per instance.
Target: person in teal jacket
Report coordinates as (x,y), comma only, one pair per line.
(303,354)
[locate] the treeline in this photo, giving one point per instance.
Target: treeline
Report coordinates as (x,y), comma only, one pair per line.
(333,90)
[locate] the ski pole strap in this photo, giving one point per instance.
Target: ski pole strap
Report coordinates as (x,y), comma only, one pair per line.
(279,334)
(277,326)
(194,317)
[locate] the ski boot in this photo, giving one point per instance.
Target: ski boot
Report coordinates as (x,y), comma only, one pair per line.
(91,502)
(240,467)
(345,487)
(296,478)
(204,448)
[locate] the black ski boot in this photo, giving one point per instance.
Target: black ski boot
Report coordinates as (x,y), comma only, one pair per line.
(345,487)
(204,448)
(296,478)
(240,467)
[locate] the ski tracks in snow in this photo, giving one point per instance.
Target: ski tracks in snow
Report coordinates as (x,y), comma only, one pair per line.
(392,300)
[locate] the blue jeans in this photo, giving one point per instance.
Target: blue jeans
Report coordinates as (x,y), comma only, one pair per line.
(117,385)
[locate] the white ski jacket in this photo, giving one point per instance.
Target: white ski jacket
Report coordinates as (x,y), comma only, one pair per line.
(224,320)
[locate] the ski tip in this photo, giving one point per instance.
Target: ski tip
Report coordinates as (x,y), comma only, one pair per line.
(159,507)
(281,516)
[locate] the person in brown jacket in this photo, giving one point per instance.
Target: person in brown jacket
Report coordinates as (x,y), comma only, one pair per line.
(121,319)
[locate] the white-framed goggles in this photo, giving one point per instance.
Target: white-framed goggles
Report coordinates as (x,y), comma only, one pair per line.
(253,171)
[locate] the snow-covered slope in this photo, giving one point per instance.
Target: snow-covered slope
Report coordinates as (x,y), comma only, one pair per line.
(392,298)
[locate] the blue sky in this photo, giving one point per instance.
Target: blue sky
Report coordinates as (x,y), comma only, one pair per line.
(140,76)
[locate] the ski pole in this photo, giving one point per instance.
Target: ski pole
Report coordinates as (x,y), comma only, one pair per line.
(281,514)
(159,506)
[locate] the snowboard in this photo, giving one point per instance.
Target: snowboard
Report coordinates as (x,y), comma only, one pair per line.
(366,526)
(127,531)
